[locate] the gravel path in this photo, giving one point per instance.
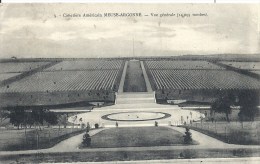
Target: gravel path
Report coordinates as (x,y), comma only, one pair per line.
(72,143)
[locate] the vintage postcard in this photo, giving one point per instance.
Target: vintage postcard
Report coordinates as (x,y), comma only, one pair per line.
(133,83)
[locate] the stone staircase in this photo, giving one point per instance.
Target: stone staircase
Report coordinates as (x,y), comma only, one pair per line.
(136,101)
(136,98)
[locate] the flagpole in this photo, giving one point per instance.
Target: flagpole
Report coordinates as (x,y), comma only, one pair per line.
(133,46)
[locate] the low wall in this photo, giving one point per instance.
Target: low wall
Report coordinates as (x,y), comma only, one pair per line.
(53,98)
(122,81)
(147,81)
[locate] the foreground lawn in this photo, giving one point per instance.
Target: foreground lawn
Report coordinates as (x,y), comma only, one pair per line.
(137,136)
(34,139)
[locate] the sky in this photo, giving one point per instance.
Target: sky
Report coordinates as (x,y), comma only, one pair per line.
(41,30)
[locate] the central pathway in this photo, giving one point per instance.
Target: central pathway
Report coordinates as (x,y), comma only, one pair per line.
(134,79)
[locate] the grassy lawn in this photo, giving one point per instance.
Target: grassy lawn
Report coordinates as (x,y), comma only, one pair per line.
(234,132)
(134,80)
(137,136)
(33,139)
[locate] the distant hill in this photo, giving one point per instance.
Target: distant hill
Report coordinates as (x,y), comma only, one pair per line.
(226,57)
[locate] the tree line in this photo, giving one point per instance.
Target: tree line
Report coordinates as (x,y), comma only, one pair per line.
(247,100)
(21,117)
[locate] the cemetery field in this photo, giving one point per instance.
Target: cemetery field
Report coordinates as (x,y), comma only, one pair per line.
(184,75)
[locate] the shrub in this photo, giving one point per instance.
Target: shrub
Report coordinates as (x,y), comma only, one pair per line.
(96,126)
(156,123)
(87,140)
(88,127)
(187,137)
(83,125)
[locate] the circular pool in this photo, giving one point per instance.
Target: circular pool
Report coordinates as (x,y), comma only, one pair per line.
(135,116)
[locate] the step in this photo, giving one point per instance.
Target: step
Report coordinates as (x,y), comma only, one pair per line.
(137,101)
(135,95)
(138,106)
(134,98)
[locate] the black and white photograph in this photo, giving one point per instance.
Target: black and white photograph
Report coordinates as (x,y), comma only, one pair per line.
(129,83)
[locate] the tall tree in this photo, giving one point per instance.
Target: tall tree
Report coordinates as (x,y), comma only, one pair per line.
(17,117)
(51,118)
(248,101)
(4,114)
(21,116)
(29,119)
(63,120)
(38,116)
(187,137)
(222,104)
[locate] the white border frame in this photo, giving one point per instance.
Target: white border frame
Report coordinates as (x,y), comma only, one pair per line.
(130,1)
